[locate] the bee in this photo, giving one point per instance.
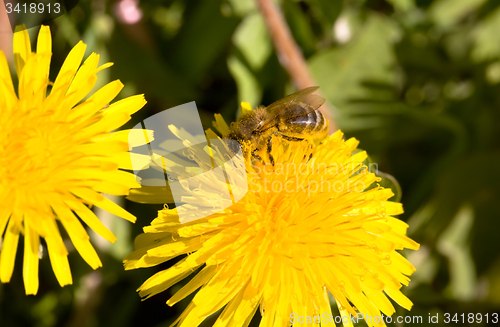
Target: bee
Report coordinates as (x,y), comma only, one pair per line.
(294,118)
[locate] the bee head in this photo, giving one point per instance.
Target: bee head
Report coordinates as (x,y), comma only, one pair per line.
(250,124)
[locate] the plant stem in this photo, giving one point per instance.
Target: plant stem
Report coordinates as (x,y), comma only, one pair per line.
(289,53)
(6,34)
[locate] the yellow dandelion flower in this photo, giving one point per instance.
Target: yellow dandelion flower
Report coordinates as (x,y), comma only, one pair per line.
(57,154)
(313,223)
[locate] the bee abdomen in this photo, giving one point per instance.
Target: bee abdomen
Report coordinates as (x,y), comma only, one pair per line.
(312,123)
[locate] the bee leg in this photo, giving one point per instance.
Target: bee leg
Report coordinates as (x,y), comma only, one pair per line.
(234,147)
(297,139)
(256,156)
(291,138)
(269,148)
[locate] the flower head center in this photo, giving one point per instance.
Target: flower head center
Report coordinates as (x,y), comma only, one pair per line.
(37,149)
(32,149)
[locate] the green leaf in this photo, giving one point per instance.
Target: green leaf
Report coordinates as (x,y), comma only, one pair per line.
(455,246)
(202,39)
(486,38)
(403,5)
(471,180)
(300,27)
(249,89)
(341,72)
(253,41)
(449,12)
(243,7)
(152,76)
(328,9)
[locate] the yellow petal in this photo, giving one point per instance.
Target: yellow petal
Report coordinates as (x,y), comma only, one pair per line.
(151,194)
(325,308)
(198,281)
(118,177)
(4,218)
(103,148)
(33,80)
(59,262)
(68,69)
(97,101)
(58,253)
(92,221)
(83,82)
(104,66)
(44,48)
(130,161)
(380,301)
(44,42)
(346,316)
(164,279)
(7,95)
(22,48)
(103,203)
(111,188)
(246,108)
(143,242)
(52,232)
(87,251)
(221,125)
(107,123)
(134,137)
(127,106)
(78,236)
(30,265)
(399,298)
(9,249)
(69,221)
(177,248)
(244,311)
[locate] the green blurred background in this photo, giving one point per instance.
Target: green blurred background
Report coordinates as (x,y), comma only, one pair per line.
(416,81)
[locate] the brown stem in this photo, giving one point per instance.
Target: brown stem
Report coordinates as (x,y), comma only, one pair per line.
(87,304)
(5,32)
(289,53)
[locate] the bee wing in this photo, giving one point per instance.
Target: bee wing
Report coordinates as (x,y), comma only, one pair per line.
(281,107)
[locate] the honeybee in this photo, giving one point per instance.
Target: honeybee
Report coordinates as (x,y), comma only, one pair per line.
(295,118)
